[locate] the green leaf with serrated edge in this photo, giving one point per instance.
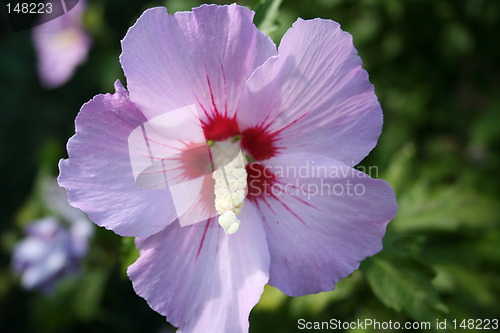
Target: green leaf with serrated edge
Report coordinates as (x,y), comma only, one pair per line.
(403,284)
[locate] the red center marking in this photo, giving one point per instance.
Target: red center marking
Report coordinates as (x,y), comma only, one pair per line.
(219,127)
(259,143)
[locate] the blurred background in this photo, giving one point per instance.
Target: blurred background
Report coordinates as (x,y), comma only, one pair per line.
(434,65)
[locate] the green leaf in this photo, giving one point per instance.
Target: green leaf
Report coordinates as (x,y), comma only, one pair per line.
(35,207)
(266,14)
(487,248)
(466,268)
(129,253)
(399,172)
(370,310)
(463,282)
(316,303)
(73,298)
(89,294)
(271,299)
(445,208)
(404,285)
(46,309)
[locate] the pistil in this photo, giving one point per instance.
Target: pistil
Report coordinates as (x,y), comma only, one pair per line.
(230,179)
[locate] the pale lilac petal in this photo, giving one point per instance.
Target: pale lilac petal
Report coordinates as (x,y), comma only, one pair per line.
(314,96)
(98,173)
(43,228)
(171,151)
(56,199)
(45,271)
(80,232)
(200,57)
(202,279)
(43,254)
(318,234)
(61,45)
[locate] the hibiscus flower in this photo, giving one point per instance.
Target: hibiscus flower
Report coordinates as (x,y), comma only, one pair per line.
(61,45)
(288,124)
(52,249)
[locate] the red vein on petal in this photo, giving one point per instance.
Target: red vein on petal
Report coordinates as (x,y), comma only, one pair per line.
(204,110)
(212,98)
(225,89)
(291,211)
(203,238)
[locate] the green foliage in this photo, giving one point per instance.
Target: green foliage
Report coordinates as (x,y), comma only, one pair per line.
(404,284)
(446,209)
(266,14)
(129,253)
(79,298)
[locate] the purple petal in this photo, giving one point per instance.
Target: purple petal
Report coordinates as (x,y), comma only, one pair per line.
(56,199)
(315,96)
(170,151)
(202,279)
(61,45)
(322,218)
(80,232)
(43,254)
(201,57)
(43,228)
(98,174)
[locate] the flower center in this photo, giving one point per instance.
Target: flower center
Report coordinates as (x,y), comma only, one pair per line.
(64,39)
(230,178)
